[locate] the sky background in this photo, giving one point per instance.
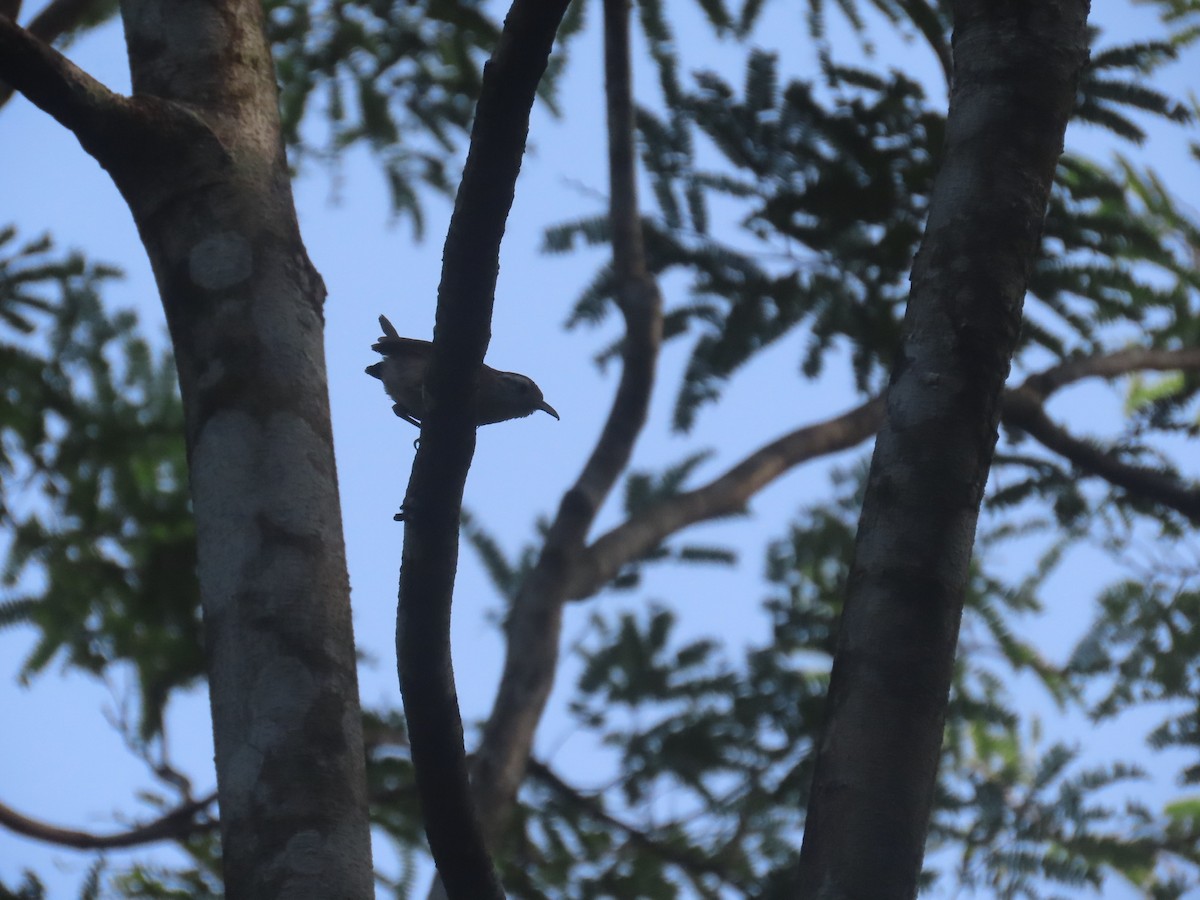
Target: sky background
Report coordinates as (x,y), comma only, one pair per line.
(62,762)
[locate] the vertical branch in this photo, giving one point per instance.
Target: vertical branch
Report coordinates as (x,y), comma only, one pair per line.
(470,264)
(534,624)
(625,221)
(1016,66)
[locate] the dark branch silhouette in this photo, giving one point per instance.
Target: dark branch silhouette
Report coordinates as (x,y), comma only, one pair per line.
(722,496)
(1111,365)
(56,19)
(179,824)
(134,138)
(56,85)
(470,263)
(1022,410)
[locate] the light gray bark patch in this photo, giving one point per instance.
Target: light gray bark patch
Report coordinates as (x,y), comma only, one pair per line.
(282,693)
(305,854)
(286,329)
(243,772)
(226,496)
(298,448)
(221,261)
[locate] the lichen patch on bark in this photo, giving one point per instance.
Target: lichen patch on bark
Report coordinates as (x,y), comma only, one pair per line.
(221,261)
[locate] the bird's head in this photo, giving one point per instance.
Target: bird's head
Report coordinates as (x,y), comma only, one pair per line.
(510,396)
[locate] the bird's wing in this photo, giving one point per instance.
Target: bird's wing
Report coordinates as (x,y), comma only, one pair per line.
(389,330)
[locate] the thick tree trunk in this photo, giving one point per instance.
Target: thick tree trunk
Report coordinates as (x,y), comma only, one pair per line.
(244,306)
(196,152)
(1015,68)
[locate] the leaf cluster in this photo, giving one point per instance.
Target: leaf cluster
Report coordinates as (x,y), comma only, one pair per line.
(398,78)
(101,557)
(832,180)
(709,759)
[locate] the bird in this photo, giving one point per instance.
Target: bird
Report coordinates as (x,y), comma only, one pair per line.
(501,396)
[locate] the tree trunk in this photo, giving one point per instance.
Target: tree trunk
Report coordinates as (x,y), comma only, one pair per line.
(244,305)
(197,155)
(1015,69)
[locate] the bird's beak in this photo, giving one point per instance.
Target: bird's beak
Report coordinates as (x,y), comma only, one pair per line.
(548,408)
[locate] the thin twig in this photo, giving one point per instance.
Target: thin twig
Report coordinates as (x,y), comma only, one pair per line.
(1022,410)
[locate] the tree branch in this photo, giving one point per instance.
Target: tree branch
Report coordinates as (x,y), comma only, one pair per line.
(1023,410)
(729,493)
(1111,365)
(176,825)
(57,86)
(535,620)
(723,496)
(56,19)
(470,264)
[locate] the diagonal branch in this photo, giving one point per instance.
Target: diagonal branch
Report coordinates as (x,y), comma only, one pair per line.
(176,825)
(535,621)
(723,496)
(1112,365)
(56,19)
(1022,410)
(730,492)
(57,86)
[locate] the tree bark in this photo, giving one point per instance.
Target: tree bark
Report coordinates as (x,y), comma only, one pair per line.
(197,155)
(1016,66)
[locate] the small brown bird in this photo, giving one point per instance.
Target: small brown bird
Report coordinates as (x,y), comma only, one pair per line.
(501,396)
